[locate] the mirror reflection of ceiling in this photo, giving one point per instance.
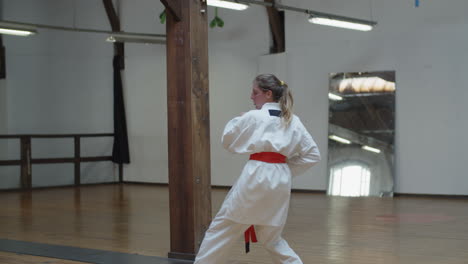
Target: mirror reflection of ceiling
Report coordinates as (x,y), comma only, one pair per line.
(367,104)
(365,85)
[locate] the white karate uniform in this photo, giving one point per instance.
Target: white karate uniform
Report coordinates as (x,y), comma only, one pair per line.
(261,195)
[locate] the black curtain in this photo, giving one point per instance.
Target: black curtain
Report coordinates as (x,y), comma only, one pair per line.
(120,152)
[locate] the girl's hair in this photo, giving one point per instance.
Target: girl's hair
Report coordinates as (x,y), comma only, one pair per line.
(281,94)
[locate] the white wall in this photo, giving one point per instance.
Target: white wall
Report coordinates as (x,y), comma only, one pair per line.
(60,82)
(426,47)
(234,60)
(145,94)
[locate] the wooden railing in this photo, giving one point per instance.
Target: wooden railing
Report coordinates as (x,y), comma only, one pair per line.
(26,161)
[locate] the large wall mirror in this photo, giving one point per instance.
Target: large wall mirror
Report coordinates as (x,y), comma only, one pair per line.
(361,134)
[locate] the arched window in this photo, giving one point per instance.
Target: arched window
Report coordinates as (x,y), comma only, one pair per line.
(349,179)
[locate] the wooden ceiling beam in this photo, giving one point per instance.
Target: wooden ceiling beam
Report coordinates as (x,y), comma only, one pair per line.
(112,15)
(115,25)
(276,22)
(174,7)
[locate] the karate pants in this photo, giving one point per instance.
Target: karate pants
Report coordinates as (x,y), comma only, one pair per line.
(223,234)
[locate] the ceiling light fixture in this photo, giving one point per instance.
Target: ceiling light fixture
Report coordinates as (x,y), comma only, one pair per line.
(334,97)
(17,29)
(135,38)
(371,149)
(348,23)
(314,16)
(227,4)
(114,36)
(339,139)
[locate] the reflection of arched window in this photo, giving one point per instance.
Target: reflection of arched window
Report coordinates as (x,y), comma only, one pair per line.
(349,179)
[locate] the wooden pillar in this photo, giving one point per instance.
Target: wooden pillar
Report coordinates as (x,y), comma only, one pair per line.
(188,125)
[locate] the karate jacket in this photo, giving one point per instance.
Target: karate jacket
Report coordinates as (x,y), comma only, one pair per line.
(261,194)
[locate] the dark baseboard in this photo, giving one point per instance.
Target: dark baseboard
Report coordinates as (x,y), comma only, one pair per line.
(430,196)
(182,256)
(57,187)
(224,187)
(434,196)
(309,191)
(146,183)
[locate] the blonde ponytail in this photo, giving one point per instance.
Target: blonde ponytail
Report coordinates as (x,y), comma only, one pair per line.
(286,103)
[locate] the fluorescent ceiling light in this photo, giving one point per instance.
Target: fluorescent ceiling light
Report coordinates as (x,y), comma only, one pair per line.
(334,97)
(17,29)
(135,39)
(371,149)
(16,32)
(227,4)
(330,21)
(339,139)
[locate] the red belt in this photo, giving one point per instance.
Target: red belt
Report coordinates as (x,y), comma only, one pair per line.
(249,234)
(270,157)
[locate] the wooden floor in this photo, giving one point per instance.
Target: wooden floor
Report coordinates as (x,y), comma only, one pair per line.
(328,230)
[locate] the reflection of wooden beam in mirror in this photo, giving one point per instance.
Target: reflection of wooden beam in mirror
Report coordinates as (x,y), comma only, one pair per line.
(374,113)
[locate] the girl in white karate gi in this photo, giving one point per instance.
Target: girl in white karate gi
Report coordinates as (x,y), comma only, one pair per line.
(280,148)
